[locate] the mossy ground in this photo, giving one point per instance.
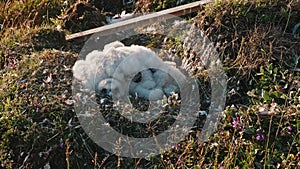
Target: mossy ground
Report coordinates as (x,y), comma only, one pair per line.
(259,127)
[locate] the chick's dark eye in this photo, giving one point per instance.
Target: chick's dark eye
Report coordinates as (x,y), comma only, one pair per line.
(103,91)
(153,70)
(137,78)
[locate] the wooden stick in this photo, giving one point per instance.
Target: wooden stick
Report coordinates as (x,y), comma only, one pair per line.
(140,20)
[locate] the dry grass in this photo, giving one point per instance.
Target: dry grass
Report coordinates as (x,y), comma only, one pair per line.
(28,13)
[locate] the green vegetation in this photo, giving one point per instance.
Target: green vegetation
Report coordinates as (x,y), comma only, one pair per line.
(259,127)
(146,6)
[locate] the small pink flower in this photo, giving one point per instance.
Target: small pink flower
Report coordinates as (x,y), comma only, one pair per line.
(236,123)
(260,136)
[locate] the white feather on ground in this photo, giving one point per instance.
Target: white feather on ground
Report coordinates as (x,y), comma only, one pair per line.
(119,17)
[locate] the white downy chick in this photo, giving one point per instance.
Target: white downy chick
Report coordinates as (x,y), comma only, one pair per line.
(112,45)
(168,80)
(117,65)
(110,86)
(150,94)
(162,78)
(88,70)
(147,81)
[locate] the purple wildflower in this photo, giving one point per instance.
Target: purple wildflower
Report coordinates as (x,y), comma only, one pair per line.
(260,136)
(236,123)
(176,147)
(289,128)
(12,63)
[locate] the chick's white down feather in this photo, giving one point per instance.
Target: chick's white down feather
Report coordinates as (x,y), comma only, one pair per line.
(117,65)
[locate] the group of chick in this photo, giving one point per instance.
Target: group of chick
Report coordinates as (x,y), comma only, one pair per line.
(122,71)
